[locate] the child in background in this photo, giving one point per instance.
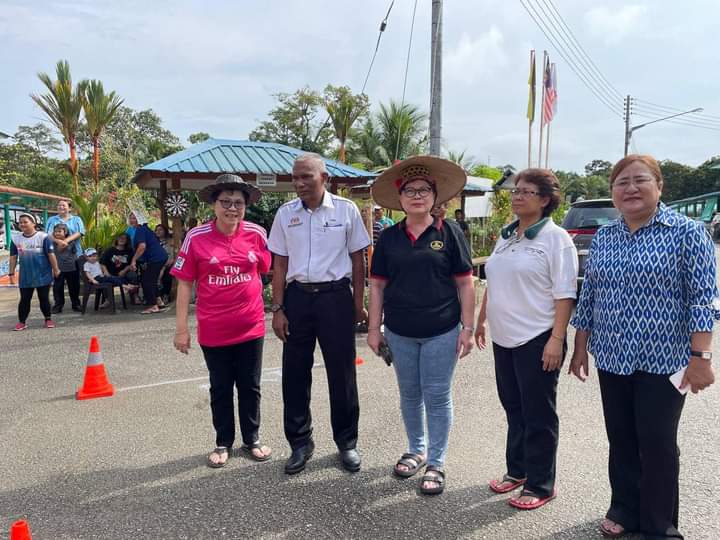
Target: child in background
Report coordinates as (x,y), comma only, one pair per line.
(66,257)
(93,272)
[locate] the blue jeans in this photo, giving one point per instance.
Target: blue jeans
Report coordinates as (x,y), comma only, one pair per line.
(424,369)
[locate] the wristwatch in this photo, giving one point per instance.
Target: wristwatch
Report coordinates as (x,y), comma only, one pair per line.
(705,355)
(276,307)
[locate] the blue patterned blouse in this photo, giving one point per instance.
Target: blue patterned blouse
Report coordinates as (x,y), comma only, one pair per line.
(645,293)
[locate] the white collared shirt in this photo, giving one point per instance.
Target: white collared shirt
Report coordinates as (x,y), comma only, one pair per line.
(318,243)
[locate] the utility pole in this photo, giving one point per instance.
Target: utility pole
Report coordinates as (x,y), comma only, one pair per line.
(436,79)
(627,124)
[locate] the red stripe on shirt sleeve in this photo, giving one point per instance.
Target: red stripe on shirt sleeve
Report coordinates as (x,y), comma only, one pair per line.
(375,276)
(464,274)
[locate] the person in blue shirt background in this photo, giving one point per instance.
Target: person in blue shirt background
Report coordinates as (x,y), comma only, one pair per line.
(38,265)
(76,231)
(646,311)
(150,253)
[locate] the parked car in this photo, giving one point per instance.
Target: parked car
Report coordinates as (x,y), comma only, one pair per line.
(715,227)
(582,221)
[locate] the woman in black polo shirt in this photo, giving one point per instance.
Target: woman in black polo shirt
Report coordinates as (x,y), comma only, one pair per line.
(421,280)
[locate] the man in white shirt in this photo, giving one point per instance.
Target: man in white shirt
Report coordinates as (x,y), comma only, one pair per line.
(318,241)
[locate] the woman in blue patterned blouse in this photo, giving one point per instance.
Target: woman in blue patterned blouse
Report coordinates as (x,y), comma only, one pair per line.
(646,312)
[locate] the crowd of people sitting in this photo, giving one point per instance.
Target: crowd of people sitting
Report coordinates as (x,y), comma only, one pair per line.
(52,257)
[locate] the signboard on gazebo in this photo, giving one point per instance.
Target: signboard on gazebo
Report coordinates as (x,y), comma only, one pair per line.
(266,180)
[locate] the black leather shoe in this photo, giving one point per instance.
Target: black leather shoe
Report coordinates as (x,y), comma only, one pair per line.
(350,460)
(299,457)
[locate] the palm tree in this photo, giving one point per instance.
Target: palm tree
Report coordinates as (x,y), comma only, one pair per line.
(394,132)
(467,162)
(63,105)
(100,108)
(344,109)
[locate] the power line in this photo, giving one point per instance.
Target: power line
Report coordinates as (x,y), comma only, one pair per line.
(666,109)
(682,122)
(590,86)
(691,117)
(565,33)
(383,25)
(407,67)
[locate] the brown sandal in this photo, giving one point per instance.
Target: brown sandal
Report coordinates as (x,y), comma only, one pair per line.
(247,450)
(219,451)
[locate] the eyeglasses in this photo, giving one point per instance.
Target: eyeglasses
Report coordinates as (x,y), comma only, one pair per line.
(638,181)
(227,204)
(523,193)
(412,192)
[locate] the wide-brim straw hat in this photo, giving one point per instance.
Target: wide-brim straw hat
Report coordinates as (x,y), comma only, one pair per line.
(448,177)
(230,182)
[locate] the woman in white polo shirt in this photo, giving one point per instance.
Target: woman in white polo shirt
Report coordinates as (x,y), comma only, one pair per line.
(531,287)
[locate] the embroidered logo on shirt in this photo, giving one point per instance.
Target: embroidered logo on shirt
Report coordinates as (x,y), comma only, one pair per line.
(213,260)
(437,245)
(179,262)
(252,257)
(294,222)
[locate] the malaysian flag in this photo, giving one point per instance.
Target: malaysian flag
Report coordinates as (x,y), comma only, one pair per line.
(550,103)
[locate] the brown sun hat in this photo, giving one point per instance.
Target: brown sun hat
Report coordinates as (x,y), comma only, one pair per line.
(448,178)
(230,182)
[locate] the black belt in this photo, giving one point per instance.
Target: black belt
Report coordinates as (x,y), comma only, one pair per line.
(323,286)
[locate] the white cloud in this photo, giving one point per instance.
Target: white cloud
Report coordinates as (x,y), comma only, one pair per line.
(615,24)
(473,58)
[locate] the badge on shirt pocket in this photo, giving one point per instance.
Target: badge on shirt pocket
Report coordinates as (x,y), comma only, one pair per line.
(437,245)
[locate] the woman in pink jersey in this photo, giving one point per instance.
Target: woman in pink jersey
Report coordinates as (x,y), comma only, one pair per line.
(225,258)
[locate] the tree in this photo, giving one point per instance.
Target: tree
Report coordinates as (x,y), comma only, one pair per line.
(39,137)
(485,171)
(198,137)
(393,132)
(344,110)
(295,122)
(130,132)
(99,110)
(467,162)
(23,166)
(598,167)
(63,105)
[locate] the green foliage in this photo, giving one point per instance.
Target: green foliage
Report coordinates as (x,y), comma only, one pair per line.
(394,131)
(559,214)
(24,167)
(598,167)
(295,121)
(485,171)
(467,162)
(344,109)
(39,137)
(198,137)
(263,212)
(574,186)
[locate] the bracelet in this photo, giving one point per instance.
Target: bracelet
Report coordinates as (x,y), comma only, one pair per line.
(467,327)
(558,338)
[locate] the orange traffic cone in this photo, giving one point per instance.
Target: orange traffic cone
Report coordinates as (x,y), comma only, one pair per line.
(359,361)
(96,383)
(20,530)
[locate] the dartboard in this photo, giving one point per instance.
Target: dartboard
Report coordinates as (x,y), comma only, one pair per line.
(176,205)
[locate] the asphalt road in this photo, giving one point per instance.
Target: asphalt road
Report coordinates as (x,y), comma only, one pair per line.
(133,465)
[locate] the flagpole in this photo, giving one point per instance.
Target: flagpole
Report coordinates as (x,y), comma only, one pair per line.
(542,110)
(531,117)
(547,146)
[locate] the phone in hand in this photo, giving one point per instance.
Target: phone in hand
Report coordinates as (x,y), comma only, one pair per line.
(385,352)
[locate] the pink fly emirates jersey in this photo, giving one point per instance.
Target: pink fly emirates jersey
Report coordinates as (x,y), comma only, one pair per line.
(227,269)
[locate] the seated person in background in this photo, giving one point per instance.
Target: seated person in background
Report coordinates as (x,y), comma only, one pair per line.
(94,272)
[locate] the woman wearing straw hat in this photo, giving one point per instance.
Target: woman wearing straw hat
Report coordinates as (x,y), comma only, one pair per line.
(421,281)
(225,258)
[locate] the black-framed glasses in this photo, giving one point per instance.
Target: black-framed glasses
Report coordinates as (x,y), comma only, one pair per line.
(227,204)
(523,192)
(412,192)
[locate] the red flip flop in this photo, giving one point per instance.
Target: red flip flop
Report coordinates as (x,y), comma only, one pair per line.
(539,501)
(514,484)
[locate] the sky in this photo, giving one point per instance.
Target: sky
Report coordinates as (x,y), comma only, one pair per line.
(214,66)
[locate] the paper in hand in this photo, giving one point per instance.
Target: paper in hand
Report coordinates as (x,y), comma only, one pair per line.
(676,380)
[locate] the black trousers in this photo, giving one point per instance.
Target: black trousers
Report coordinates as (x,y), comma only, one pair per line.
(528,394)
(329,318)
(149,282)
(235,366)
(166,282)
(26,293)
(642,414)
(73,283)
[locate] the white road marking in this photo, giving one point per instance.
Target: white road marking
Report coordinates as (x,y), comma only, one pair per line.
(273,374)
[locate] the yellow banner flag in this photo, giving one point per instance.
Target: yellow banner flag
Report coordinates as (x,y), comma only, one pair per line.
(531,83)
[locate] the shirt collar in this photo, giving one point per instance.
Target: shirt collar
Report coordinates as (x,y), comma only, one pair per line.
(437,223)
(327,202)
(530,233)
(663,216)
